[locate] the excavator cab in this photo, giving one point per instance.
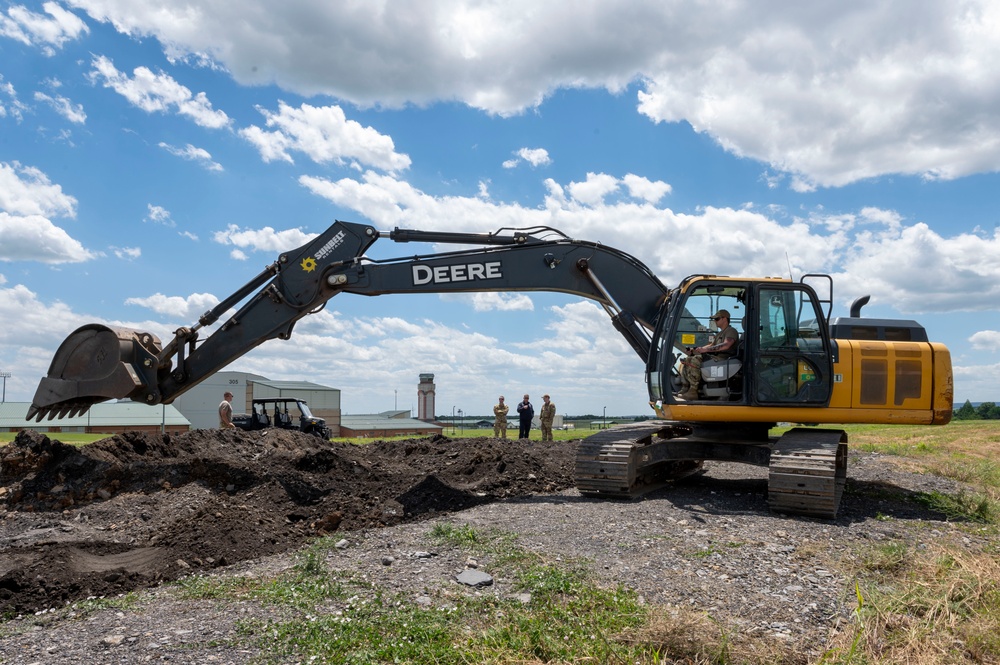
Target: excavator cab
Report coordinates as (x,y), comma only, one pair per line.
(783,355)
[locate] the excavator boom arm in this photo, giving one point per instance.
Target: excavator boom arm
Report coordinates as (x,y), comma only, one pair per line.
(96,362)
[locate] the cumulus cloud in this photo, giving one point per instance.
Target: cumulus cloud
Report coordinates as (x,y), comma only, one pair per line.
(27,200)
(921,271)
(193,154)
(986,340)
(324,134)
(534,156)
(646,189)
(860,91)
(50,30)
(25,190)
(592,191)
(157,93)
(158,215)
(39,323)
(183,308)
(824,94)
(35,238)
(266,239)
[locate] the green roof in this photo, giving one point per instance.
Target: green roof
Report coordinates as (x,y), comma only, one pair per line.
(292,385)
(105,414)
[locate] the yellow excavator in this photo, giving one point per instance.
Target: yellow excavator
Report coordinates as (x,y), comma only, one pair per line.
(792,363)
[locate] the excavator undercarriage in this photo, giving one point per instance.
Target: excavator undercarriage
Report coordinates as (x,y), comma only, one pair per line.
(807,467)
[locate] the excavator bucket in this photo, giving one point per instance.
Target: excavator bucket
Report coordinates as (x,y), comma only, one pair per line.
(97,363)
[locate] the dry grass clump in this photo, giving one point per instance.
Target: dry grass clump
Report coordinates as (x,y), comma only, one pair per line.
(931,605)
(679,635)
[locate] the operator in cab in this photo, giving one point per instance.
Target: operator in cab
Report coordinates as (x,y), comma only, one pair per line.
(723,346)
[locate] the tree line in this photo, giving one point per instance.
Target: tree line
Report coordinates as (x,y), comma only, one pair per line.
(985,411)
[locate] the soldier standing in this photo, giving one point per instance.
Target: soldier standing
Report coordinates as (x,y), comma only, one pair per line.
(548,413)
(500,419)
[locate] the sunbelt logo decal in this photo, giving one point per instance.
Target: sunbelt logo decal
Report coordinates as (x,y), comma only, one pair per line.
(309,263)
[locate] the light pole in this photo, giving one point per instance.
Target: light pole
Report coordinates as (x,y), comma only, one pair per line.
(453,420)
(5,376)
(395,401)
(463,422)
(605,417)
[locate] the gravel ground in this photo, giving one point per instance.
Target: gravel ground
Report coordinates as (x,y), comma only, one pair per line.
(708,544)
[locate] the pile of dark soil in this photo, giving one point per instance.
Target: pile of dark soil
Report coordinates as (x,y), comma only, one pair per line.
(137,509)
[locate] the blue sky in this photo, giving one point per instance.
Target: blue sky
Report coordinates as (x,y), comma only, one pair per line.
(155,158)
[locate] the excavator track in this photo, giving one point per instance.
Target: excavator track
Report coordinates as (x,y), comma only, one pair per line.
(807,466)
(619,463)
(808,471)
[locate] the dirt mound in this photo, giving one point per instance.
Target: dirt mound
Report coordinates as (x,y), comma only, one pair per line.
(137,509)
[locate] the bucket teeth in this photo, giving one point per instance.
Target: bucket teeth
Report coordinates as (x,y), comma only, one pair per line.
(96,363)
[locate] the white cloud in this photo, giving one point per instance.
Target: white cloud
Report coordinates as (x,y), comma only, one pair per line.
(646,189)
(825,94)
(50,32)
(592,191)
(157,93)
(986,340)
(127,253)
(177,307)
(918,270)
(13,108)
(35,238)
(193,154)
(27,200)
(39,324)
(324,134)
(25,190)
(64,107)
(257,240)
(977,381)
(859,92)
(534,156)
(159,215)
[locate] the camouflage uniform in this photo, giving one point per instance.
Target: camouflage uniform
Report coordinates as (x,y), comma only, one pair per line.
(690,376)
(690,370)
(500,420)
(546,416)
